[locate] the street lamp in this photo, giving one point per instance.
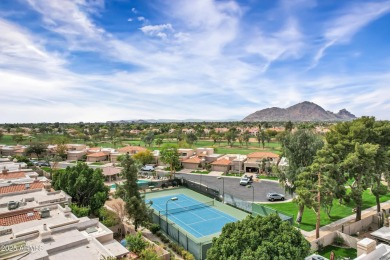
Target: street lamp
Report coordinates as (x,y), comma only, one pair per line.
(166,209)
(253,192)
(223,188)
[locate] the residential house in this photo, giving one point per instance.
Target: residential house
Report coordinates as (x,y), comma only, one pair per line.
(76,152)
(367,248)
(254,160)
(212,157)
(131,150)
(221,165)
(11,150)
(192,163)
(203,152)
(97,157)
(53,232)
(238,163)
(185,153)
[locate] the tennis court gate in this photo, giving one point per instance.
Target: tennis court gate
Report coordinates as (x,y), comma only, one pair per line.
(255,209)
(181,237)
(202,189)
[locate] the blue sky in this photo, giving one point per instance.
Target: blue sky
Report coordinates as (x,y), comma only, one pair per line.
(96,60)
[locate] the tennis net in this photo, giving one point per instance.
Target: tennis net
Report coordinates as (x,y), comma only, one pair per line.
(187,208)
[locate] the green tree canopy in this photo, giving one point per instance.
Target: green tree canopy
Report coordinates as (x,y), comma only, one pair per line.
(259,238)
(84,184)
(170,155)
(135,205)
(144,157)
(36,149)
(300,149)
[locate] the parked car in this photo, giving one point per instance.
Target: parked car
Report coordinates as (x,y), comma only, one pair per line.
(147,168)
(275,196)
(43,164)
(246,180)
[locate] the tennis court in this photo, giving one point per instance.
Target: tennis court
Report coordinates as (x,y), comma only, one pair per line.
(200,219)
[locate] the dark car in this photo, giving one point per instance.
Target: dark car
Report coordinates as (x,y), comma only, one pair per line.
(43,164)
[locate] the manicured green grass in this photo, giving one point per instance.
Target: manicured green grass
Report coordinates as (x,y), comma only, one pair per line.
(264,177)
(46,169)
(338,211)
(97,163)
(201,172)
(222,148)
(338,252)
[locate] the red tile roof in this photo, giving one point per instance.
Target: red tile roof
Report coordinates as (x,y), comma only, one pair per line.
(12,175)
(192,160)
(98,154)
(20,187)
(262,155)
(19,216)
(130,149)
(222,161)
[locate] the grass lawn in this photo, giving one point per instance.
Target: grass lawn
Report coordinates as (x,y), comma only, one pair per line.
(338,252)
(264,177)
(201,172)
(222,148)
(338,211)
(97,163)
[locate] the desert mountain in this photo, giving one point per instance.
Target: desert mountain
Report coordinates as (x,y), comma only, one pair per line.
(305,111)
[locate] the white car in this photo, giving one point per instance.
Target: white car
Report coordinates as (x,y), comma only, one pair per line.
(147,168)
(245,181)
(275,196)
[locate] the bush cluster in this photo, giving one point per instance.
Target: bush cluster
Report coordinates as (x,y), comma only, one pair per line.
(175,247)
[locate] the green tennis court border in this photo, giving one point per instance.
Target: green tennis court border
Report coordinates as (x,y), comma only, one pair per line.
(197,246)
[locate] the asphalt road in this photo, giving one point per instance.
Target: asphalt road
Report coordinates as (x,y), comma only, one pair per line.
(232,186)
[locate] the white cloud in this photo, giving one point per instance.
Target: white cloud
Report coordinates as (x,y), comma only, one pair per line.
(130,19)
(286,43)
(160,30)
(141,18)
(134,11)
(349,22)
(201,66)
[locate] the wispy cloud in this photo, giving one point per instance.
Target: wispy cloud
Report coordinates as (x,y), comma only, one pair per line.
(348,22)
(214,56)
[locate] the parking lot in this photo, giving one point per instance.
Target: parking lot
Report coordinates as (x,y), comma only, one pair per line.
(233,187)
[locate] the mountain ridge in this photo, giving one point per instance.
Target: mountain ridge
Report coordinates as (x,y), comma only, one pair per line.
(304,111)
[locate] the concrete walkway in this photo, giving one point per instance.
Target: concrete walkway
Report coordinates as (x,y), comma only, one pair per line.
(337,225)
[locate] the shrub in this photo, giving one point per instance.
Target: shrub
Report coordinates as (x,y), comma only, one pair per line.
(338,240)
(136,243)
(107,217)
(79,211)
(154,228)
(148,254)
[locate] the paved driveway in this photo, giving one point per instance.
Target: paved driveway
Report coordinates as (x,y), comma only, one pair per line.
(233,187)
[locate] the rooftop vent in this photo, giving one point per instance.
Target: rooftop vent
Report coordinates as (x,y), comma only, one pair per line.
(30,214)
(13,205)
(45,213)
(27,186)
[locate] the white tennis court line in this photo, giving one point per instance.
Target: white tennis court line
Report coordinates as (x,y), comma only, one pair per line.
(184,198)
(186,225)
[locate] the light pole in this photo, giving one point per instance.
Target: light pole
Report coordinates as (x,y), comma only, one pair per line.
(223,188)
(166,210)
(253,192)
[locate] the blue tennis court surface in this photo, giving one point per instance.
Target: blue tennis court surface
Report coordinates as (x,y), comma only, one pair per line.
(199,222)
